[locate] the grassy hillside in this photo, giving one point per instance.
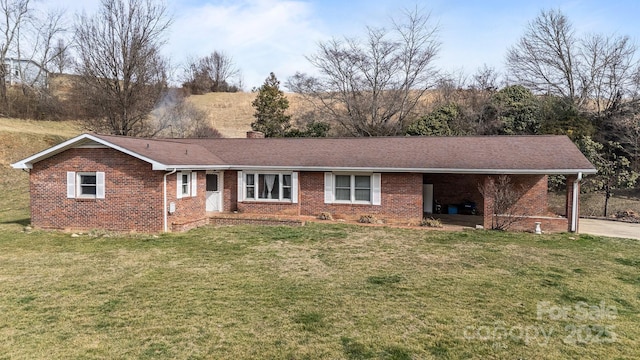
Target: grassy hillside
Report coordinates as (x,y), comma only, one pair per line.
(19,139)
(232,113)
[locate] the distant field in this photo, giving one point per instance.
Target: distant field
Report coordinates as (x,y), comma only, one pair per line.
(232,113)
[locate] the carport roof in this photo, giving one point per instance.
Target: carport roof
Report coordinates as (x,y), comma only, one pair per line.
(547,154)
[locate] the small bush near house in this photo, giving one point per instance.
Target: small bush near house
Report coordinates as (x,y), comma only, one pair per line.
(431,222)
(368,219)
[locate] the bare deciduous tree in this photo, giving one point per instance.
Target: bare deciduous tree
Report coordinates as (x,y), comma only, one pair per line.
(485,79)
(122,74)
(212,73)
(593,69)
(36,44)
(26,36)
(504,195)
(608,65)
(60,59)
(370,86)
(544,59)
(13,16)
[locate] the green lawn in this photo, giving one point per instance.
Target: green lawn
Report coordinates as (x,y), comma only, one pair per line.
(320,291)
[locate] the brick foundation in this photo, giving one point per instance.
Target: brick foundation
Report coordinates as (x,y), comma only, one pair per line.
(231,220)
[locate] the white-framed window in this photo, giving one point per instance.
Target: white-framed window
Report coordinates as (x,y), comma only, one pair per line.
(85,185)
(268,186)
(187,184)
(352,188)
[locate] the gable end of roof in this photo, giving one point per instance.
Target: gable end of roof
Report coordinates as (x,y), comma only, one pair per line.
(80,141)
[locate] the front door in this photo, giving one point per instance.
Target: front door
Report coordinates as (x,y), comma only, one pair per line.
(214,195)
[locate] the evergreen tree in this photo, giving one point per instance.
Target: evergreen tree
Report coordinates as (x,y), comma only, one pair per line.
(270,105)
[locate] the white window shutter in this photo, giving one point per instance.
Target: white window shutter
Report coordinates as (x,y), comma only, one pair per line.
(100,185)
(179,185)
(71,184)
(240,186)
(294,187)
(194,183)
(376,189)
(328,188)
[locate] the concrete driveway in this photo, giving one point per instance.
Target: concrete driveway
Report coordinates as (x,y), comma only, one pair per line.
(609,228)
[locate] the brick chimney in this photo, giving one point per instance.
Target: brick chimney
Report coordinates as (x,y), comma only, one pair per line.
(255,135)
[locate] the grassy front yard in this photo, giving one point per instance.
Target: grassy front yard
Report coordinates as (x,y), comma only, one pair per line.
(321,291)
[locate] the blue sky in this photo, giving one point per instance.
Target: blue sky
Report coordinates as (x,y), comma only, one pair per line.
(275,35)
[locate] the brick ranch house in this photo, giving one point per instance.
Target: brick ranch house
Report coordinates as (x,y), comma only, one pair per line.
(153,185)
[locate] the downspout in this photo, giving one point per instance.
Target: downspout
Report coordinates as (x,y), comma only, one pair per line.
(574,205)
(164,190)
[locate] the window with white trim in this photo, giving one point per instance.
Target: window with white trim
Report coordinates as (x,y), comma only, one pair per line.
(187,185)
(352,188)
(85,185)
(265,186)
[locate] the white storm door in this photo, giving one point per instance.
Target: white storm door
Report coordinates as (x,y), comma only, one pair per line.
(214,193)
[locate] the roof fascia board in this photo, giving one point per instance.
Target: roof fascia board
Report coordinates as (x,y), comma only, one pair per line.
(373,169)
(422,170)
(28,162)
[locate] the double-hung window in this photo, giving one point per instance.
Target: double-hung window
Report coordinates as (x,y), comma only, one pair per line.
(187,185)
(352,188)
(85,185)
(265,186)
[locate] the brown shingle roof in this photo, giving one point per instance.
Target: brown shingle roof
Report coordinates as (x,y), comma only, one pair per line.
(548,153)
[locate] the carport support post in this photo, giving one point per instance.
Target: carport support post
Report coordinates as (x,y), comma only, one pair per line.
(487,209)
(573,185)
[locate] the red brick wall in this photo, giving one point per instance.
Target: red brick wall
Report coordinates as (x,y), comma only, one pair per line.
(188,209)
(133,193)
(401,198)
(534,199)
(531,207)
(275,208)
(230,191)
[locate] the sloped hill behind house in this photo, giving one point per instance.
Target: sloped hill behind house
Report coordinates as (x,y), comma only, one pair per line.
(232,113)
(19,139)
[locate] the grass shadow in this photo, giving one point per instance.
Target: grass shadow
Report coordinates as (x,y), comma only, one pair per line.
(21,222)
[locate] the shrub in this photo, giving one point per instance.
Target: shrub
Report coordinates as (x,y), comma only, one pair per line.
(325,216)
(368,219)
(431,222)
